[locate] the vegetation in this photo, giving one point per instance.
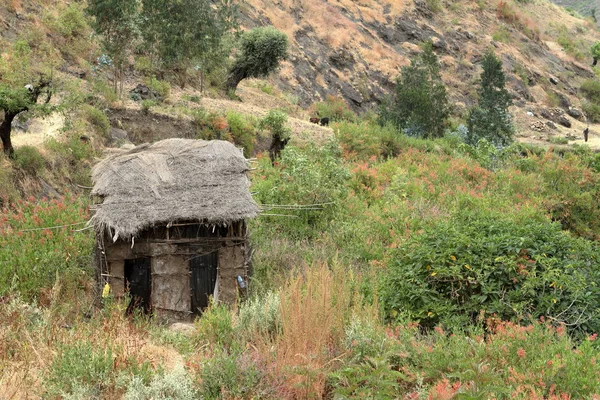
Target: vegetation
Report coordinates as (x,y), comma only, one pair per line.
(182,33)
(261,50)
(419,106)
(491,120)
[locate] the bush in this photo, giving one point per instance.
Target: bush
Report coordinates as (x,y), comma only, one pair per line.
(478,265)
(31,256)
(336,109)
(176,384)
(29,159)
(242,130)
(275,121)
(147,105)
(228,375)
(216,327)
(259,317)
(79,366)
(97,119)
(315,175)
(163,88)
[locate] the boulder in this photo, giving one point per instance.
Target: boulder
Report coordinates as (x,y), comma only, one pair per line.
(564,121)
(575,113)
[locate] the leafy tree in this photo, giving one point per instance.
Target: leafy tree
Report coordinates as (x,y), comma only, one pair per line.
(595,53)
(490,119)
(116,21)
(23,80)
(419,105)
(185,33)
(261,51)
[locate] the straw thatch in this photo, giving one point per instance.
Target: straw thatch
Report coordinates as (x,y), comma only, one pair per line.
(171,180)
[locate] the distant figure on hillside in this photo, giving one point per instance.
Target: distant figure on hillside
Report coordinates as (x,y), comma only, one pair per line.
(586,132)
(314,120)
(325,121)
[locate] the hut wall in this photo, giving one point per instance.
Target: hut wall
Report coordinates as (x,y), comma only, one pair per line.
(170,268)
(232,263)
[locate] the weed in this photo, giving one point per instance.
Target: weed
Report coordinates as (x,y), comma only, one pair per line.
(29,159)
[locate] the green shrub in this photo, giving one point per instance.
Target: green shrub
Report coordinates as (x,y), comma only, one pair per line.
(592,111)
(31,256)
(144,65)
(176,384)
(242,130)
(72,21)
(482,264)
(216,327)
(336,109)
(97,119)
(79,366)
(147,105)
(260,316)
(314,175)
(275,121)
(229,375)
(29,159)
(559,140)
(163,88)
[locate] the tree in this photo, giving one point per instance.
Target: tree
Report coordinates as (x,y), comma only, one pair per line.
(116,21)
(490,119)
(276,121)
(186,33)
(261,51)
(595,53)
(25,78)
(419,105)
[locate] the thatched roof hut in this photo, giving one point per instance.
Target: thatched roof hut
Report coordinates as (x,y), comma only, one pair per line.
(171,226)
(171,180)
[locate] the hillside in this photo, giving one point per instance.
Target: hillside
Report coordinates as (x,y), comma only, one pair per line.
(584,7)
(381,265)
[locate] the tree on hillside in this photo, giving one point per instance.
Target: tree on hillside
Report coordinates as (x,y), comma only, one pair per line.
(25,78)
(184,33)
(490,119)
(261,51)
(419,105)
(595,53)
(117,22)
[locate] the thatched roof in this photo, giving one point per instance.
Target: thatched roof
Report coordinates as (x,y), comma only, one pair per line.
(171,180)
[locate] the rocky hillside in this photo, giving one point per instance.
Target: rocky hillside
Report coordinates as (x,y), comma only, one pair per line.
(584,7)
(356,49)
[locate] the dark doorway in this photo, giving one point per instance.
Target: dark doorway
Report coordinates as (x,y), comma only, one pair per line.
(204,278)
(138,281)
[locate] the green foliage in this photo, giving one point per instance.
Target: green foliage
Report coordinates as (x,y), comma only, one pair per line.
(419,106)
(163,88)
(591,91)
(275,121)
(29,159)
(484,264)
(32,256)
(242,130)
(229,375)
(72,22)
(79,366)
(315,175)
(176,384)
(491,119)
(181,33)
(336,109)
(434,5)
(260,316)
(216,327)
(147,105)
(261,50)
(116,21)
(595,50)
(97,119)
